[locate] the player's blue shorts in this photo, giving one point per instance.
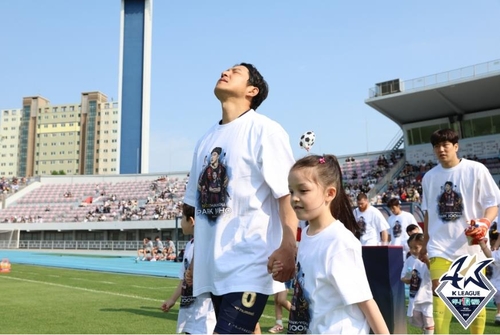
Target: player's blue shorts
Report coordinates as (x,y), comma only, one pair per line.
(289,284)
(238,312)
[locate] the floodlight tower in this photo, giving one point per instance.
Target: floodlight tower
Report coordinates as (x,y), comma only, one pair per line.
(134,85)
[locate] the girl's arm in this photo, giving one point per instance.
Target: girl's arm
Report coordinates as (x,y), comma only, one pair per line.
(170,302)
(373,316)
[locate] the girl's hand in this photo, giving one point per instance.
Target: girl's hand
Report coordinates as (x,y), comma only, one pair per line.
(167,304)
(277,266)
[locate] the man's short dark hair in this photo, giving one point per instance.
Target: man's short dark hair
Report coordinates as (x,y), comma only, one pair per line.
(444,135)
(361,196)
(256,79)
(393,202)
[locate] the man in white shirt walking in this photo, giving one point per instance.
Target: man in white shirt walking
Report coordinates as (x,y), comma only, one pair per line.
(372,223)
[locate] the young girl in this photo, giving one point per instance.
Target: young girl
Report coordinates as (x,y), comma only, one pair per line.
(419,278)
(331,291)
(495,266)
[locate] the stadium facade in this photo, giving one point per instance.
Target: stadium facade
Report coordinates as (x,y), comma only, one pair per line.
(466,100)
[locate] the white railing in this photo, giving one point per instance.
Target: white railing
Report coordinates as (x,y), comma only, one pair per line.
(467,72)
(79,245)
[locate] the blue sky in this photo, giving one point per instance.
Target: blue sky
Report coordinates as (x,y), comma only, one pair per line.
(320,58)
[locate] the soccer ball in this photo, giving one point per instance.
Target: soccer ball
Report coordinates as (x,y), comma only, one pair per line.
(307,140)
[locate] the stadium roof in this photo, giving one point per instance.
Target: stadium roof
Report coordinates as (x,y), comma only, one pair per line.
(450,94)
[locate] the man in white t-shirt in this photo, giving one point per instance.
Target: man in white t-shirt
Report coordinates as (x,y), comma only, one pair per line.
(244,220)
(398,222)
(455,192)
(372,223)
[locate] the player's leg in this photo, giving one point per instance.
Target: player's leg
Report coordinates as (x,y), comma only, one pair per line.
(477,326)
(417,319)
(238,312)
(497,303)
(442,315)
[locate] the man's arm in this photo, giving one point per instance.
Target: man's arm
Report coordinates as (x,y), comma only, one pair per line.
(491,213)
(423,251)
(384,236)
(287,251)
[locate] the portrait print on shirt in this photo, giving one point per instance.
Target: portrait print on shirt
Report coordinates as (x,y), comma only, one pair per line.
(187,298)
(362,225)
(450,204)
(415,281)
(298,321)
(397,230)
(212,185)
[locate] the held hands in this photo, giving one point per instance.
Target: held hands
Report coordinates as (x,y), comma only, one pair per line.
(477,230)
(281,263)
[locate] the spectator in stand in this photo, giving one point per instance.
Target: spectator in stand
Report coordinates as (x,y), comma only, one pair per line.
(372,223)
(399,222)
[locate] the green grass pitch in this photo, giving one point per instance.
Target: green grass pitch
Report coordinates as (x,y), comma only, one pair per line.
(42,300)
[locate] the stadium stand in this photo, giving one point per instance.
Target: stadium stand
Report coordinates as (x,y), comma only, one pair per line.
(125,208)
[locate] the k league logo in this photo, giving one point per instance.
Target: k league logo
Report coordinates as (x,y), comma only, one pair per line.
(465,289)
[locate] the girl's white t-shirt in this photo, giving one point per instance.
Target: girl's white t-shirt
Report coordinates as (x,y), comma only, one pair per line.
(332,277)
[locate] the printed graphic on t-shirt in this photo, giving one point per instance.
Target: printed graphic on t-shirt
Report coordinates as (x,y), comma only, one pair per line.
(212,186)
(187,298)
(450,204)
(397,229)
(298,321)
(415,282)
(362,225)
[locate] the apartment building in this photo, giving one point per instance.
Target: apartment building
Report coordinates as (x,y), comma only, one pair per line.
(9,141)
(76,138)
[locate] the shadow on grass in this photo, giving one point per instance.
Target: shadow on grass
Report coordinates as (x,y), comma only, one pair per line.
(144,311)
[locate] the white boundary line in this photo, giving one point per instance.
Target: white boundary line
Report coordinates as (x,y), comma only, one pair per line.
(100,292)
(81,288)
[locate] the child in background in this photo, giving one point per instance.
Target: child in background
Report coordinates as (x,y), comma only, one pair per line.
(495,266)
(410,230)
(413,229)
(280,301)
(196,314)
(409,260)
(419,278)
(331,291)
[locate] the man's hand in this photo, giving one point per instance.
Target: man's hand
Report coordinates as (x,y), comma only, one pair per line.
(284,256)
(477,230)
